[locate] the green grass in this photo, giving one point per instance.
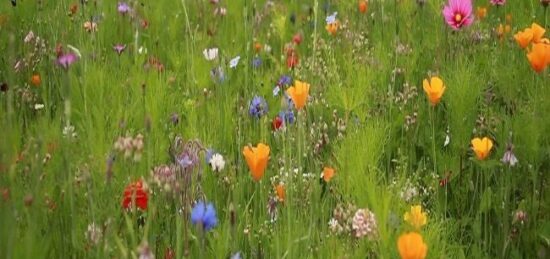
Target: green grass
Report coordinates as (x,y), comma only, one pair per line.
(366,83)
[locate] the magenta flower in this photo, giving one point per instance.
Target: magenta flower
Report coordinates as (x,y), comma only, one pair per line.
(458,13)
(123,8)
(119,48)
(498,2)
(66,60)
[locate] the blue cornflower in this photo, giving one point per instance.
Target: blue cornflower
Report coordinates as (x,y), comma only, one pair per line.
(205,215)
(287,116)
(209,153)
(285,80)
(256,62)
(258,107)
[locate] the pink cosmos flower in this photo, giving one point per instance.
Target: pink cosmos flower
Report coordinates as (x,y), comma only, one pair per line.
(458,14)
(498,2)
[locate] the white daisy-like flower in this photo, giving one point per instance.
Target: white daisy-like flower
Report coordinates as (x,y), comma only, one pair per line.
(234,62)
(217,162)
(39,106)
(210,54)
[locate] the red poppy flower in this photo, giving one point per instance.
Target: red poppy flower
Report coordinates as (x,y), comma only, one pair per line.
(277,123)
(297,38)
(137,192)
(291,59)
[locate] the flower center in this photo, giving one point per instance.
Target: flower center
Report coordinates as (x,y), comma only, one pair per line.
(458,17)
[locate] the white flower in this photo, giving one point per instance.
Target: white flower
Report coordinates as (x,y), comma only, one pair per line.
(217,162)
(142,50)
(210,54)
(276,90)
(39,106)
(447,140)
(93,234)
(69,131)
(29,37)
(331,18)
(234,62)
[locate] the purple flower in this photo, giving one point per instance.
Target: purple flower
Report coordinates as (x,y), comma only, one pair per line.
(256,62)
(66,60)
(185,161)
(509,157)
(287,117)
(284,81)
(204,215)
(123,8)
(258,107)
(458,14)
(175,118)
(209,153)
(119,48)
(498,2)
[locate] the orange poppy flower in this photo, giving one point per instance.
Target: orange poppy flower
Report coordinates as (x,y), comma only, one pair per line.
(509,18)
(481,12)
(412,246)
(538,32)
(257,47)
(280,191)
(299,93)
(523,38)
(332,28)
(539,56)
(256,158)
(363,6)
(328,173)
(36,80)
(482,147)
(503,30)
(434,89)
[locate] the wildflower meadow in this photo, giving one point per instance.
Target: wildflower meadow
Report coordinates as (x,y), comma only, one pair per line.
(274,129)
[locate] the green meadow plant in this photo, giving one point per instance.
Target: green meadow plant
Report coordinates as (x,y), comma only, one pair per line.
(274,129)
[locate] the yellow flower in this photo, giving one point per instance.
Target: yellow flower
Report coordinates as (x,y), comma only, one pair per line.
(411,246)
(482,147)
(434,89)
(256,158)
(416,217)
(299,93)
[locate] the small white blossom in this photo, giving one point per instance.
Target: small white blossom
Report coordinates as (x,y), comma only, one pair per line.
(217,162)
(69,131)
(210,54)
(234,62)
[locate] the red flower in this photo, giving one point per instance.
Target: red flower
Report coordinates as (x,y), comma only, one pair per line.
(297,38)
(291,58)
(137,192)
(277,123)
